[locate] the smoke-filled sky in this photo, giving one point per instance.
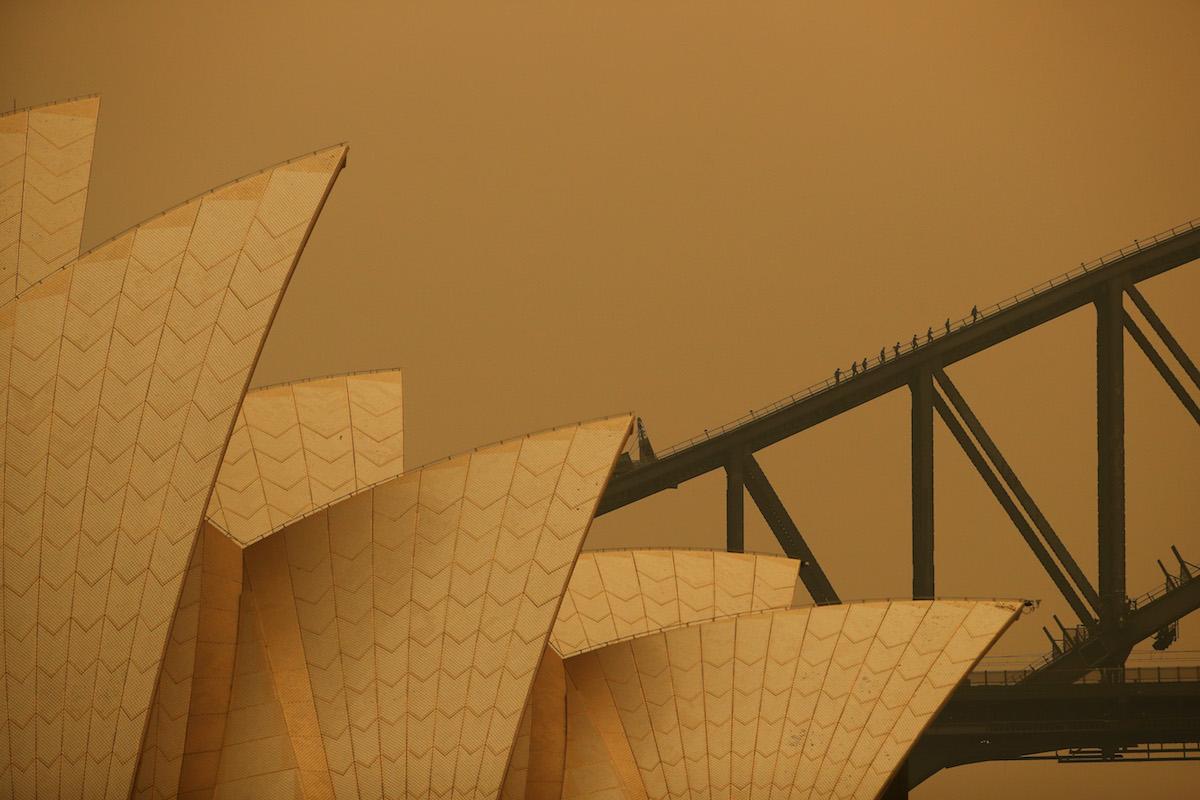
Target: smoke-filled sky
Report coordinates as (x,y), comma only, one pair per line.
(557,211)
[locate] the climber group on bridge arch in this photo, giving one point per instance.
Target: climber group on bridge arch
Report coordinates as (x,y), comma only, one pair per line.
(855,368)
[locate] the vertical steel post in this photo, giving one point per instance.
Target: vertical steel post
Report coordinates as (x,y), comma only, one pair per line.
(735,502)
(922,484)
(1110,451)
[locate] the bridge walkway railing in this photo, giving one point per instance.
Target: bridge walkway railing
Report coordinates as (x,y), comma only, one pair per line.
(1154,674)
(934,333)
(1073,638)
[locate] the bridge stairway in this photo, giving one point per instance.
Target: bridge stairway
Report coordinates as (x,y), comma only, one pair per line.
(1155,613)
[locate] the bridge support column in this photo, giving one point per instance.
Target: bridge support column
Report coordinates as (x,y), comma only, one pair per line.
(922,484)
(735,504)
(1110,451)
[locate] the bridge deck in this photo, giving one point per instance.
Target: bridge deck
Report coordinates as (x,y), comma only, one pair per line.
(1158,674)
(992,721)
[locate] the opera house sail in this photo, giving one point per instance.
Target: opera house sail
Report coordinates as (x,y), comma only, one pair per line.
(45,165)
(122,370)
(216,593)
(691,673)
(300,446)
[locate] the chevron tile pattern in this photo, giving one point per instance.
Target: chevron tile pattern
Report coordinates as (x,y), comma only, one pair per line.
(45,164)
(187,721)
(820,702)
(596,731)
(303,446)
(589,769)
(404,625)
(269,582)
(617,594)
(535,771)
(547,733)
(210,595)
(559,752)
(257,760)
(120,377)
(517,777)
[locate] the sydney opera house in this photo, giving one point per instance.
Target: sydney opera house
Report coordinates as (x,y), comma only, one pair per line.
(210,592)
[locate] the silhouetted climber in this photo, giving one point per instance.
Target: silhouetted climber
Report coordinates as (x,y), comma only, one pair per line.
(974,313)
(896,348)
(864,365)
(837,375)
(914,341)
(882,355)
(853,368)
(947,324)
(929,334)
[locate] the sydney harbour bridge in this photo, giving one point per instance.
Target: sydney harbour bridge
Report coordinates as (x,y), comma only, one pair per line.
(1080,703)
(215,591)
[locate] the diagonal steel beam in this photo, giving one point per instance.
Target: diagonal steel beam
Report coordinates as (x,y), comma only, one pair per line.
(1027,533)
(1163,369)
(1163,333)
(777,517)
(1018,489)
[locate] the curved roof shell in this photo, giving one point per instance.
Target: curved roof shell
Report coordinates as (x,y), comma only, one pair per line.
(402,627)
(822,701)
(120,376)
(302,446)
(184,731)
(286,613)
(814,702)
(618,594)
(45,167)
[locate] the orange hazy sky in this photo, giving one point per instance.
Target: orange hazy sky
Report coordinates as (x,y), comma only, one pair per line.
(555,211)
